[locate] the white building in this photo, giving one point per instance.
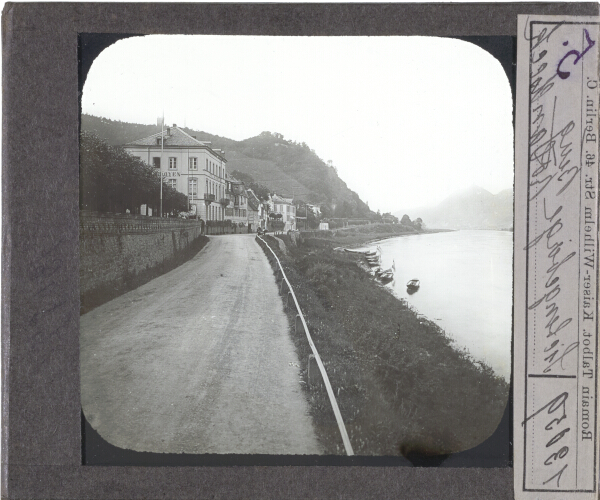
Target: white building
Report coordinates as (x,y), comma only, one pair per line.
(286,208)
(237,209)
(188,165)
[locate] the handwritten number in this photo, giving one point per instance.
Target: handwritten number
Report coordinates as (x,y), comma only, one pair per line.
(565,74)
(558,437)
(555,404)
(559,474)
(562,453)
(550,426)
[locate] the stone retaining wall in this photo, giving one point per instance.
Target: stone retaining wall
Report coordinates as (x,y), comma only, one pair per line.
(119,253)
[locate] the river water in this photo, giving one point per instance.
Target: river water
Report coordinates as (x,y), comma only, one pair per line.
(466,287)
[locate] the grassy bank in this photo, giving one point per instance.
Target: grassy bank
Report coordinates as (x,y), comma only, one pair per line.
(400,384)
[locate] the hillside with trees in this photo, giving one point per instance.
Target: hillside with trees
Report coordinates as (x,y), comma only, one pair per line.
(289,168)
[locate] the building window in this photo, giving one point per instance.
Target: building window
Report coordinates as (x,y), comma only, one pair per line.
(156,162)
(172,183)
(193,188)
(193,163)
(172,163)
(207,164)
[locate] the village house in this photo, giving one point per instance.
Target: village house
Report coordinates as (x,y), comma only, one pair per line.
(286,208)
(315,209)
(237,209)
(255,211)
(188,165)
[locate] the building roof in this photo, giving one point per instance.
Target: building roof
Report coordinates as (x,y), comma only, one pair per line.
(237,187)
(253,204)
(252,196)
(279,199)
(173,136)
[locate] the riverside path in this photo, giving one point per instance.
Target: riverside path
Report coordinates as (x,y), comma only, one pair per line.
(198,360)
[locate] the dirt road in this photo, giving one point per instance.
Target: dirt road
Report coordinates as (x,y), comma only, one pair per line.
(198,360)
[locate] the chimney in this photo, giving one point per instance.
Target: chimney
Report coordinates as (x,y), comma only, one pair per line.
(168,131)
(174,125)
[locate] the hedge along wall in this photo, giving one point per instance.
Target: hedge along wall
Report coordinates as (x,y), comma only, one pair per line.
(120,253)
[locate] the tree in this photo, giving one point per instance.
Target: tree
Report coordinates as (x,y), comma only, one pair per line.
(388,217)
(406,220)
(242,176)
(344,209)
(326,211)
(418,223)
(111,180)
(308,215)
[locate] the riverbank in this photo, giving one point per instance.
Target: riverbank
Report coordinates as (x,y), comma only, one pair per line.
(401,386)
(362,235)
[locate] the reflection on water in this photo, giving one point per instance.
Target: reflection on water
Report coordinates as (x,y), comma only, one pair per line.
(465,287)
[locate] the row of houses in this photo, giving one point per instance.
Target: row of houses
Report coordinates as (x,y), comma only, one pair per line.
(199,171)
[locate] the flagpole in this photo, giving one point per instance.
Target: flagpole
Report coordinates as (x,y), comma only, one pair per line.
(162,148)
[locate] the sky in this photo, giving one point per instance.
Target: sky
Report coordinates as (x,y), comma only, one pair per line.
(407,121)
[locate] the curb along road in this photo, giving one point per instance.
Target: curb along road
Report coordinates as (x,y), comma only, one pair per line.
(333,401)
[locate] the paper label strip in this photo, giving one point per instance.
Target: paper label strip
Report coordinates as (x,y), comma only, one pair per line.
(556,258)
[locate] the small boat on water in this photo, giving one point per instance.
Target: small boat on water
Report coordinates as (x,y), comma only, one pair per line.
(366,253)
(386,275)
(413,285)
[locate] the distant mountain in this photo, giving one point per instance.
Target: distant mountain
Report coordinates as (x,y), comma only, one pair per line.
(286,167)
(473,208)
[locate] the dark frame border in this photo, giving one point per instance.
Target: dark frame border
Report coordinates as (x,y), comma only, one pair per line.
(40,321)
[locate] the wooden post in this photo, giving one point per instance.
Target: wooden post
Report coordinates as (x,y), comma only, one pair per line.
(299,325)
(290,299)
(283,287)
